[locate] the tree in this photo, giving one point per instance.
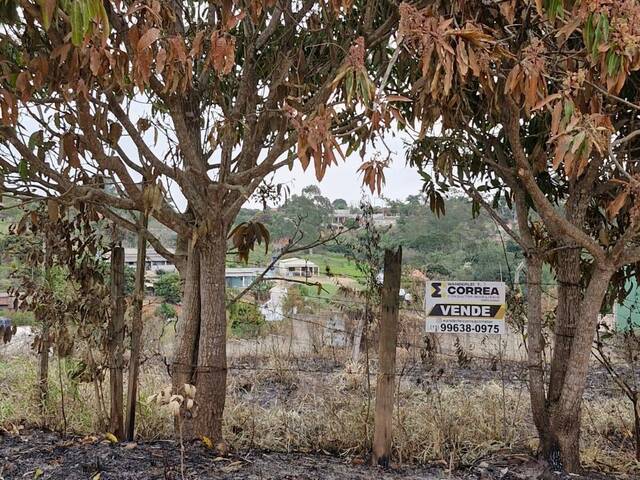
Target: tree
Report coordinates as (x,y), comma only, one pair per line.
(537,105)
(339,204)
(116,104)
(168,286)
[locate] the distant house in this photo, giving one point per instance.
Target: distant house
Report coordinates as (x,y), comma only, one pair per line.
(380,219)
(627,313)
(6,301)
(155,262)
(342,216)
(296,267)
(240,277)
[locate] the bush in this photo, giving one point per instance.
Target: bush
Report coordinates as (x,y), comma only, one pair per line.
(166,312)
(168,286)
(246,320)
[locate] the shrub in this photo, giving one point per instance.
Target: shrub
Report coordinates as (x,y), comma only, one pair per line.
(168,287)
(246,320)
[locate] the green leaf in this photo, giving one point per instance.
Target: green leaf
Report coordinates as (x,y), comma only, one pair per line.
(23,169)
(77,33)
(613,63)
(568,110)
(587,32)
(605,27)
(348,85)
(86,15)
(35,140)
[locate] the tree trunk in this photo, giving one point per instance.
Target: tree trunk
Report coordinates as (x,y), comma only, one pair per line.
(43,367)
(535,349)
(357,338)
(116,342)
(387,355)
(188,329)
(567,316)
(565,413)
(636,424)
(211,373)
(136,330)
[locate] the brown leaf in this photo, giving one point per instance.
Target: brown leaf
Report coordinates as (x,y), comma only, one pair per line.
(562,146)
(147,39)
(616,205)
(53,210)
(161,59)
(95,62)
(70,149)
(556,116)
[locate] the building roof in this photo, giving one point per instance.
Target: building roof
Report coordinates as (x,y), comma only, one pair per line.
(131,255)
(242,271)
(296,262)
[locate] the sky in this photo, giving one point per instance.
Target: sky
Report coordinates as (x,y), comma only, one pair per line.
(344,181)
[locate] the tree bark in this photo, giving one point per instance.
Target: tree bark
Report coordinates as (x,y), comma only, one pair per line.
(357,338)
(136,330)
(188,329)
(211,373)
(535,349)
(116,342)
(43,366)
(565,413)
(390,300)
(567,316)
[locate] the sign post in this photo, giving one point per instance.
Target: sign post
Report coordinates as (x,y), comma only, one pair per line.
(465,307)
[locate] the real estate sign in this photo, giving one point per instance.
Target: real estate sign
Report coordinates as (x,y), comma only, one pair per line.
(465,307)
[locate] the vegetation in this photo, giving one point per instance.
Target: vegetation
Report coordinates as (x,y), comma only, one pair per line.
(530,109)
(166,311)
(168,286)
(245,320)
(543,117)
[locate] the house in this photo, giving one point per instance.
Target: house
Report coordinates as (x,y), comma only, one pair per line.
(342,216)
(154,263)
(627,313)
(380,219)
(296,267)
(240,277)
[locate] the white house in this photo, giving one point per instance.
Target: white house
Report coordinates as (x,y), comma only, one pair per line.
(155,262)
(296,267)
(241,277)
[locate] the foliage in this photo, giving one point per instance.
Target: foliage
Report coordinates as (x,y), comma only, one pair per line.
(166,311)
(309,212)
(66,287)
(129,279)
(245,320)
(339,204)
(544,119)
(168,286)
(18,318)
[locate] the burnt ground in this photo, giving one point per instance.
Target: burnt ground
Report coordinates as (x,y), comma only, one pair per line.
(46,455)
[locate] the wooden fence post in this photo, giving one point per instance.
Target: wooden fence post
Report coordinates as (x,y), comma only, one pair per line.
(390,303)
(136,328)
(116,342)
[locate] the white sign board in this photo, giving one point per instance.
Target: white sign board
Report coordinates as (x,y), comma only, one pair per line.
(465,307)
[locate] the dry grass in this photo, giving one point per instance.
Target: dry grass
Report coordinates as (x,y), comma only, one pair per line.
(277,408)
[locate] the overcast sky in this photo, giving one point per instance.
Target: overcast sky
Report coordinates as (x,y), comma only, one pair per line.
(344,181)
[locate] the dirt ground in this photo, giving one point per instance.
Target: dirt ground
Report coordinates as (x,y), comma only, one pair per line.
(46,455)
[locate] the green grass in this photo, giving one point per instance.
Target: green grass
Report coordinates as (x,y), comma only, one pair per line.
(19,319)
(339,265)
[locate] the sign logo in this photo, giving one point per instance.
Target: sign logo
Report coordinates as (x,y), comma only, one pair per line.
(436,291)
